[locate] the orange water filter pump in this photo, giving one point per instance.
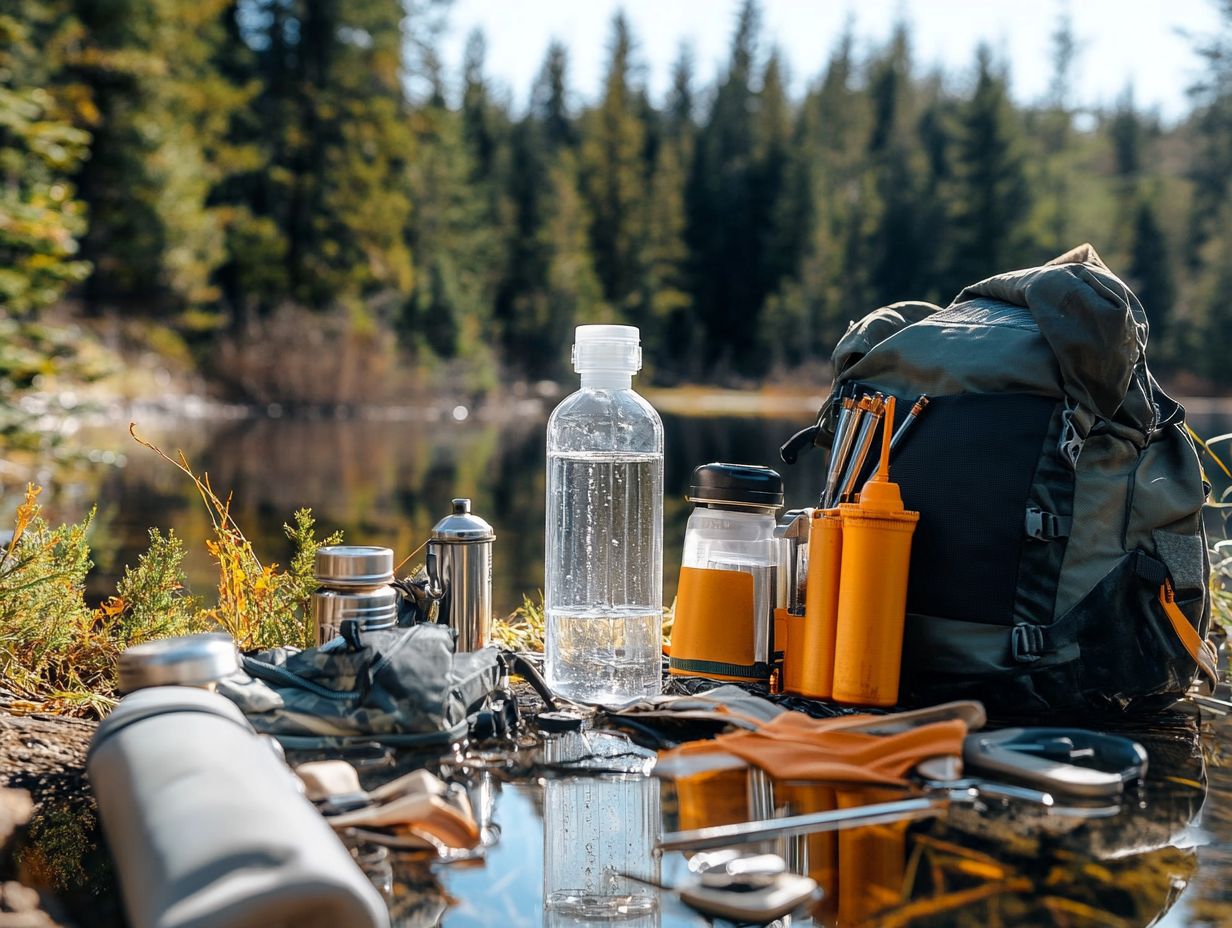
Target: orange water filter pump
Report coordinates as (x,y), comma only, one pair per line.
(872,597)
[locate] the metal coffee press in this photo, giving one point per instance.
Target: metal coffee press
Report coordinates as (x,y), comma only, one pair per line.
(460,568)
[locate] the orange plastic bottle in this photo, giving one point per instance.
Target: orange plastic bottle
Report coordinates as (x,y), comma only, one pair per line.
(872,599)
(816,649)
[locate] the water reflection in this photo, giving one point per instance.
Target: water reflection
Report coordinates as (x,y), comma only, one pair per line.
(1014,864)
(599,830)
(575,814)
(388,482)
(380,482)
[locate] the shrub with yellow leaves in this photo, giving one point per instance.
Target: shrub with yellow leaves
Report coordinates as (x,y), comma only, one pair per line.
(59,655)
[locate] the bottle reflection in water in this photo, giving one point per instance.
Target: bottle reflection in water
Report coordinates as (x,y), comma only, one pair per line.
(595,830)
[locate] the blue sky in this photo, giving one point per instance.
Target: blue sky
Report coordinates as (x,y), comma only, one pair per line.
(1122,40)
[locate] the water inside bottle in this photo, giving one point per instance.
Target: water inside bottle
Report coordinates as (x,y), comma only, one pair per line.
(604,570)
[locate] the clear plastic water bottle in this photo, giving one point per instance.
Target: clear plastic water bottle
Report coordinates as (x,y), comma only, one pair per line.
(604,565)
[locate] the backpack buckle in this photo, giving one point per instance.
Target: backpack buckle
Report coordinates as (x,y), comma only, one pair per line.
(1046,526)
(1026,643)
(1073,434)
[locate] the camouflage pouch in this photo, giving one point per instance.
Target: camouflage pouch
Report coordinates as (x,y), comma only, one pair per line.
(403,687)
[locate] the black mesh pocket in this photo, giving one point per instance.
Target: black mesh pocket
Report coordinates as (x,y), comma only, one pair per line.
(967,466)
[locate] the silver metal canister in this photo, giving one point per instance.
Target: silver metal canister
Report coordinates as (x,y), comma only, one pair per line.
(351,566)
(460,566)
(374,609)
(192,660)
(354,585)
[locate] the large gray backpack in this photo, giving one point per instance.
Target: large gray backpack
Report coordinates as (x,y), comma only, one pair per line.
(1060,559)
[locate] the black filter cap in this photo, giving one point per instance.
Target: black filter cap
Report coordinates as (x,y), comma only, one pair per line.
(736,485)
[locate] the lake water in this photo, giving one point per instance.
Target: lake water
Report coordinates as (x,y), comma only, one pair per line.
(380,482)
(388,482)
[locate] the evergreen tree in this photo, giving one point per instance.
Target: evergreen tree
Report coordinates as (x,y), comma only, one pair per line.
(937,132)
(536,143)
(454,235)
(722,236)
(1054,130)
(1127,134)
(1209,245)
(835,130)
(479,116)
(164,109)
(773,125)
(549,101)
(680,101)
(991,191)
(1150,274)
(569,292)
(1211,134)
(572,293)
(901,241)
(340,143)
(664,302)
(614,175)
(42,143)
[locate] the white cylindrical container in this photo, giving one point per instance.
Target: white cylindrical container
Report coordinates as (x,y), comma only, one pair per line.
(208,827)
(603,586)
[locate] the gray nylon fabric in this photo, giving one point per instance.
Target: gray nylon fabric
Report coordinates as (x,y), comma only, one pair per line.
(1101,495)
(978,347)
(1183,555)
(404,686)
(1094,326)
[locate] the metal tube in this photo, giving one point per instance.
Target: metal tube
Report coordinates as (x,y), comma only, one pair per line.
(867,430)
(844,435)
(908,421)
(833,820)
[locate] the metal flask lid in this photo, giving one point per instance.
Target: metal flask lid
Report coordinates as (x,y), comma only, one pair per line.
(192,660)
(354,565)
(462,526)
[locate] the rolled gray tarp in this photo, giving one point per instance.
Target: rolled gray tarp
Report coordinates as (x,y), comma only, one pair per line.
(207,825)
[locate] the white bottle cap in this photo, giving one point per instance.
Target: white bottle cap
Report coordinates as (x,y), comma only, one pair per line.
(607,348)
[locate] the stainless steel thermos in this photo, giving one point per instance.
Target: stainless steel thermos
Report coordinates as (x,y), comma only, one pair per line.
(355,584)
(460,567)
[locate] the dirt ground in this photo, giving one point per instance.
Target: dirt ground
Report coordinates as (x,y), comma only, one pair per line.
(51,855)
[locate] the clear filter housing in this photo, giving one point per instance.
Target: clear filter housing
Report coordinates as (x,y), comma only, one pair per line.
(603,584)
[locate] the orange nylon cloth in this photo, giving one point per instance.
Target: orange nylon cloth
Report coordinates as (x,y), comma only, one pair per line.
(794,746)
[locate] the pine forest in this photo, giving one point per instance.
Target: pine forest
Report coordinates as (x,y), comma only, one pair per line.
(257,180)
